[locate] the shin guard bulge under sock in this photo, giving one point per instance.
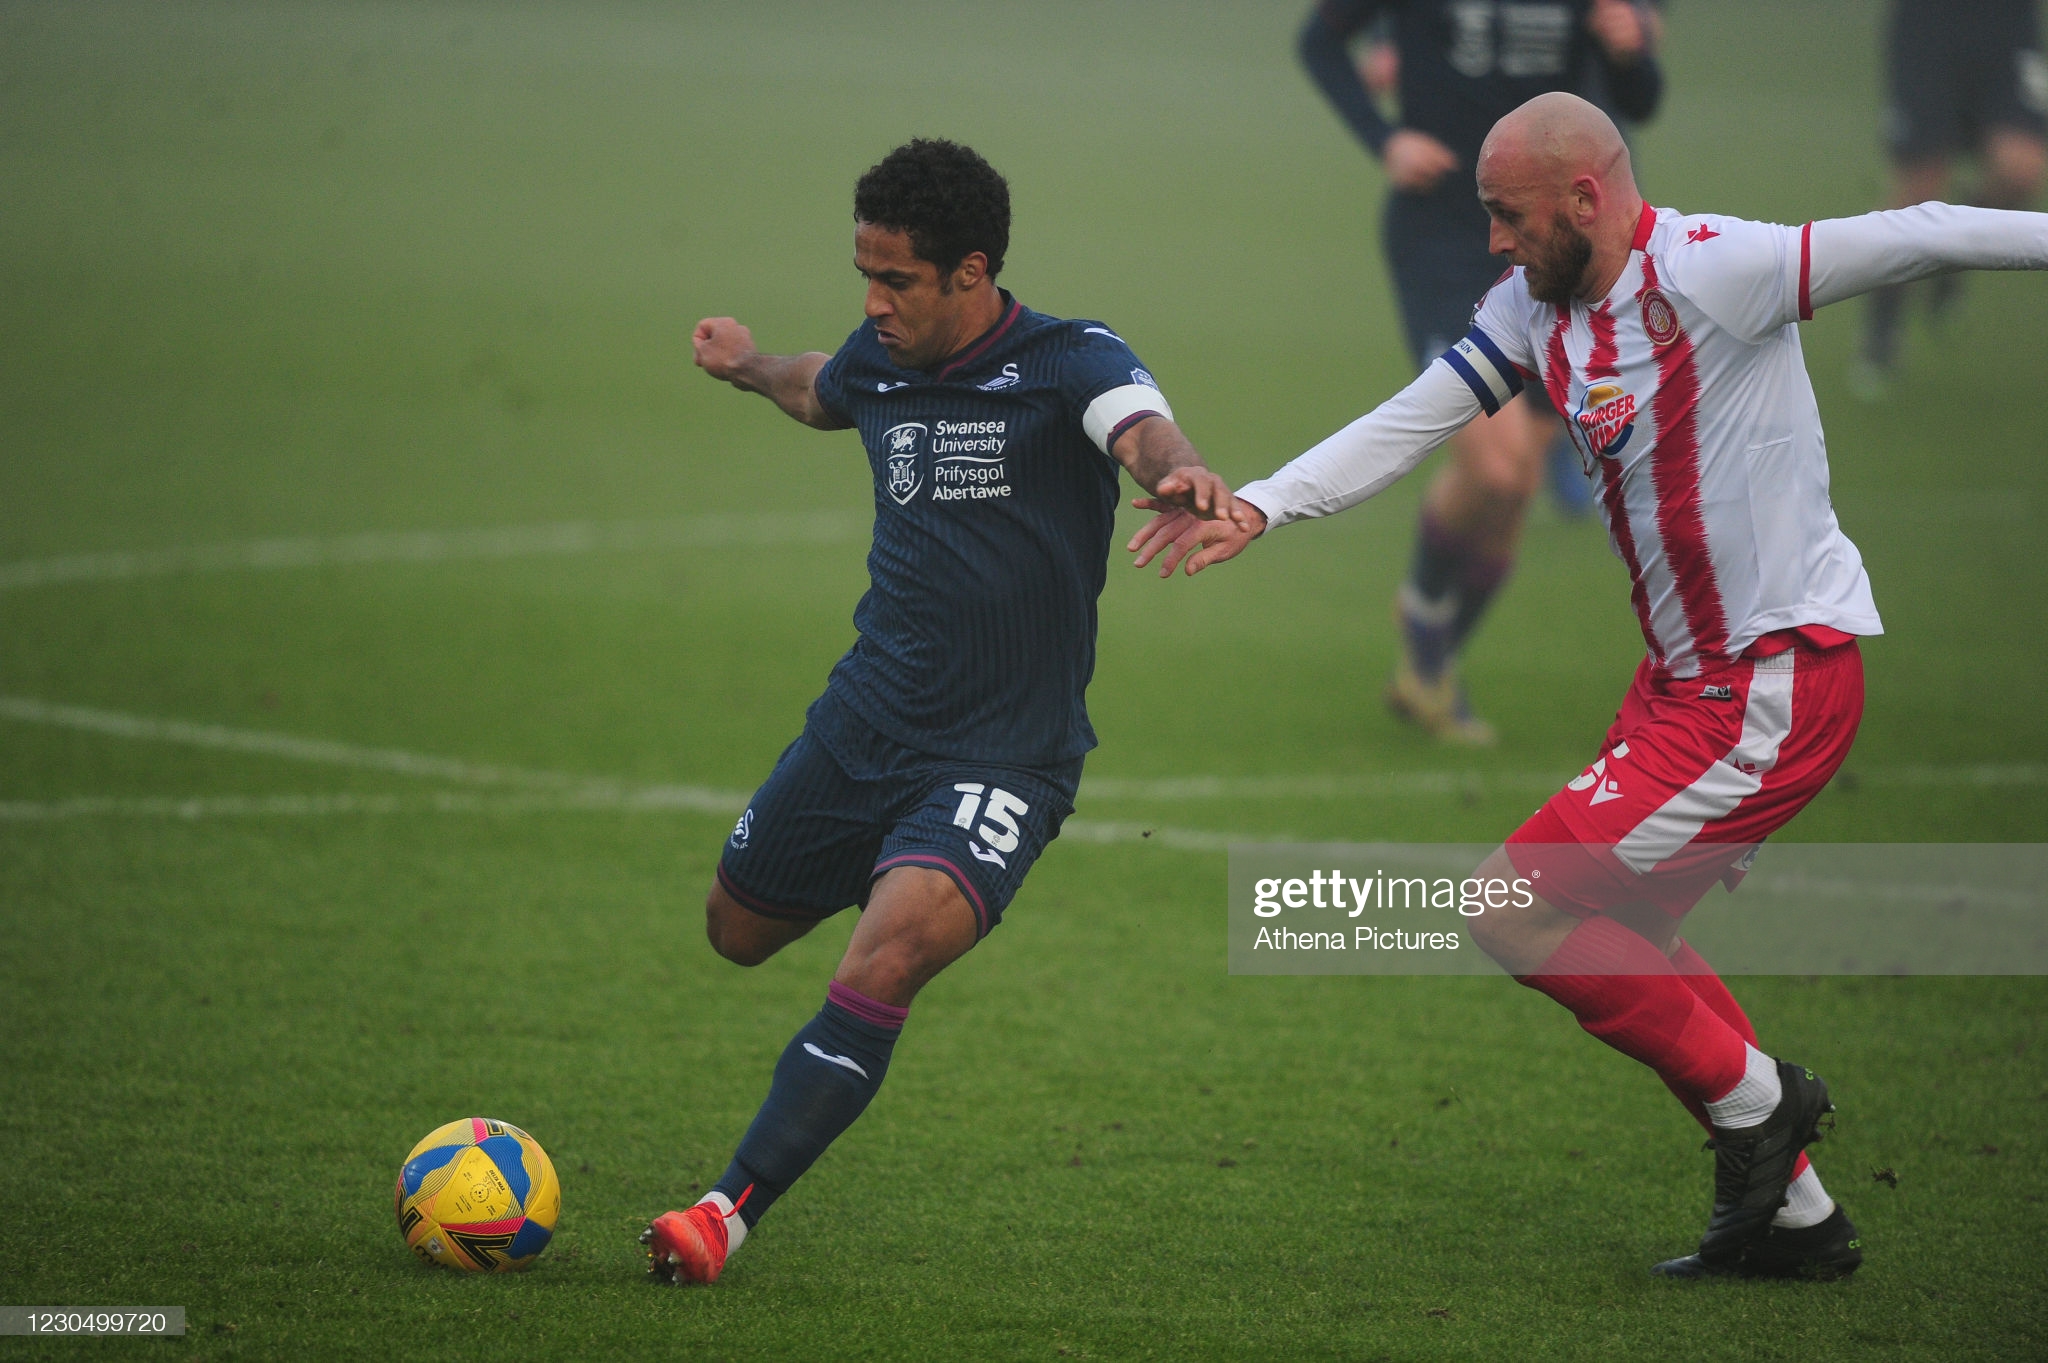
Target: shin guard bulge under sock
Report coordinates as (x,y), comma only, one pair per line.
(825,1079)
(1625,992)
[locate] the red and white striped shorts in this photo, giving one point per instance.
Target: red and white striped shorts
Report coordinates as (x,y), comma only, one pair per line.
(1694,774)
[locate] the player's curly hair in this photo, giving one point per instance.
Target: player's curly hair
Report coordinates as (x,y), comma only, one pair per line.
(950,201)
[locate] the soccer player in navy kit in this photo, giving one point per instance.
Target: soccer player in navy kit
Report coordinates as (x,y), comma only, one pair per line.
(1463,64)
(947,746)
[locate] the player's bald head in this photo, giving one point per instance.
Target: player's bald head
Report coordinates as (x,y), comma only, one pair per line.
(1555,178)
(1553,140)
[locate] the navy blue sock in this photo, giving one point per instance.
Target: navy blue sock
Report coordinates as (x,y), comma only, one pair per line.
(1440,554)
(1430,597)
(825,1079)
(1484,574)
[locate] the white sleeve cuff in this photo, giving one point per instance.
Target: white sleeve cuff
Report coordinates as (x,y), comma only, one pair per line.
(1116,407)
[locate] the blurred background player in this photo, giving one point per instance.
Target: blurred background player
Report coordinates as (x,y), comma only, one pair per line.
(1457,66)
(1967,78)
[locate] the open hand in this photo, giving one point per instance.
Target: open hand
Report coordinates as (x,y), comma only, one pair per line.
(1415,161)
(1621,30)
(1183,535)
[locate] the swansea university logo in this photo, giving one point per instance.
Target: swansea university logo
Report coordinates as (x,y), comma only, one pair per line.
(900,447)
(1605,419)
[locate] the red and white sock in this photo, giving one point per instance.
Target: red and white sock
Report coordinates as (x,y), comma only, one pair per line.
(735,1224)
(1700,977)
(1754,1097)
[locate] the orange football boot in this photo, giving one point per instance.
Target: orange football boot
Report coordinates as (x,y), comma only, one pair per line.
(686,1247)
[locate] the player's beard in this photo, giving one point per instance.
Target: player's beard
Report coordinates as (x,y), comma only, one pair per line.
(1555,275)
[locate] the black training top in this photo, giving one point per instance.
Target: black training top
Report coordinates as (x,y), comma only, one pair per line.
(1465,64)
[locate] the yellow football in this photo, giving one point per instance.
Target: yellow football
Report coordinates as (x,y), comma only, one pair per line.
(479,1195)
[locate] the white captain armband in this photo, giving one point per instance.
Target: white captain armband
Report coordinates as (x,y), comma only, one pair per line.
(1117,410)
(1478,361)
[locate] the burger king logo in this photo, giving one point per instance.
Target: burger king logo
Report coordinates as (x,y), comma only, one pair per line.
(1605,419)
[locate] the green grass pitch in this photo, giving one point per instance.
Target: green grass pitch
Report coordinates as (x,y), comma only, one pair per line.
(310,272)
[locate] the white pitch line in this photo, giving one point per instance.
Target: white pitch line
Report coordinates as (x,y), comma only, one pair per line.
(1316,787)
(541,790)
(750,529)
(1395,784)
(327,752)
(551,790)
(1179,839)
(653,800)
(1969,774)
(210,806)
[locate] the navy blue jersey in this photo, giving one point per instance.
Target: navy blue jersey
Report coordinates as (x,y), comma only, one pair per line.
(994,500)
(1464,65)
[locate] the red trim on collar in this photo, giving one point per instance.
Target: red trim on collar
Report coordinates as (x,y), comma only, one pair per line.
(1645,224)
(989,338)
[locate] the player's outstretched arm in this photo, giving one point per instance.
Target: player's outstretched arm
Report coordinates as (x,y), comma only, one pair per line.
(1357,462)
(1843,257)
(725,350)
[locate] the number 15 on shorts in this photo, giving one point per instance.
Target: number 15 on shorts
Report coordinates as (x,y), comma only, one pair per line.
(1000,809)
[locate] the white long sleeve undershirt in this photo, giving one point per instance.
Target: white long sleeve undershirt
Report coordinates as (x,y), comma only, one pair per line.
(1370,454)
(1852,256)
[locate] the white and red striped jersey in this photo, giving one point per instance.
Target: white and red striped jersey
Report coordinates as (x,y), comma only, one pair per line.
(1687,396)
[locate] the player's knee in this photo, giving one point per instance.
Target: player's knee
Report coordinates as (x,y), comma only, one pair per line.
(1493,934)
(1512,482)
(1917,181)
(1491,929)
(1519,937)
(917,923)
(728,931)
(887,975)
(898,966)
(2015,166)
(1504,469)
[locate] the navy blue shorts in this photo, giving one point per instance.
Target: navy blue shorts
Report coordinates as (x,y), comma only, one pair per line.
(1441,270)
(1959,69)
(846,804)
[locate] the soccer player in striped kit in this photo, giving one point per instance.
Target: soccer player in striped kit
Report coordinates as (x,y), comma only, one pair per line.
(1671,341)
(947,746)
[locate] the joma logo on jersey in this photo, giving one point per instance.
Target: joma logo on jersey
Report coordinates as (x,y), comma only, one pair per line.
(899,447)
(1606,418)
